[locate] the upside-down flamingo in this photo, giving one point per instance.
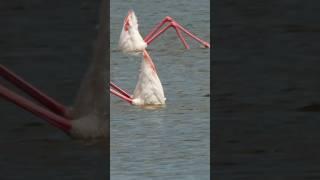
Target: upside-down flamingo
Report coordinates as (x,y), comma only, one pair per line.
(149,90)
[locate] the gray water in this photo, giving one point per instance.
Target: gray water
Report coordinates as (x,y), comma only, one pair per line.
(170,142)
(266,90)
(48,43)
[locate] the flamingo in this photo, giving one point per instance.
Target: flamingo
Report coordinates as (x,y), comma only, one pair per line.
(149,90)
(88,117)
(131,41)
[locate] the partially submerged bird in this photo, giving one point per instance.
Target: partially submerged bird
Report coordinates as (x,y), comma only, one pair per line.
(130,41)
(149,90)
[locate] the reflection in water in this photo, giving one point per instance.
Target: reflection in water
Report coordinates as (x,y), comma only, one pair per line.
(153,107)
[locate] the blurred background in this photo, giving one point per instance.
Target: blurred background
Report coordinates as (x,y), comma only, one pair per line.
(49,44)
(266,99)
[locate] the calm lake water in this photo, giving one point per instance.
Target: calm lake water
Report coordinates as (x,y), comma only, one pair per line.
(49,44)
(171,142)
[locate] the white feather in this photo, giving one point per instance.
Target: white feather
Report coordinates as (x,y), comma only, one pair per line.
(130,41)
(149,90)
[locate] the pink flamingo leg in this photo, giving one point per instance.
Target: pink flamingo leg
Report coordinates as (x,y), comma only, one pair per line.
(119,90)
(123,97)
(158,34)
(181,38)
(157,27)
(172,23)
(32,91)
(52,118)
(176,27)
(150,37)
(207,45)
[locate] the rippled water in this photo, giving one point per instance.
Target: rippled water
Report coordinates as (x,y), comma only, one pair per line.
(171,142)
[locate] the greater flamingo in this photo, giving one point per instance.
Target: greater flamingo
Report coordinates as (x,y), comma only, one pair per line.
(149,90)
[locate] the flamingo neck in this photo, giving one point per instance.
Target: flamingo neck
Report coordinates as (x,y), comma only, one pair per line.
(148,59)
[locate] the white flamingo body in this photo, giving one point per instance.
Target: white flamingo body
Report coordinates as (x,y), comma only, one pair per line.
(130,41)
(149,90)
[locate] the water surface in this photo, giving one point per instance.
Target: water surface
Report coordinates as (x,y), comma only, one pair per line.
(170,142)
